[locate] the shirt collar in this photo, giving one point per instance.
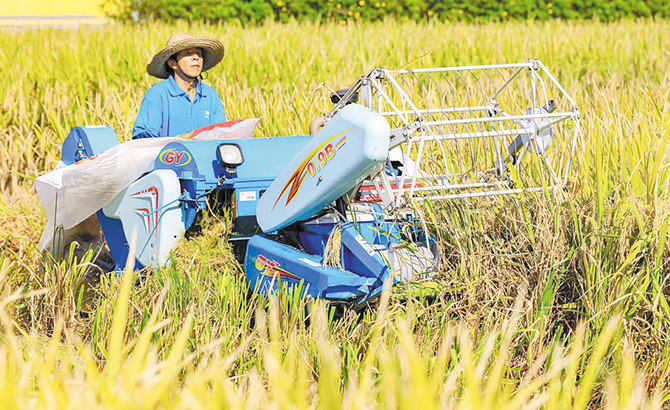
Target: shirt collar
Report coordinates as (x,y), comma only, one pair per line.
(176,91)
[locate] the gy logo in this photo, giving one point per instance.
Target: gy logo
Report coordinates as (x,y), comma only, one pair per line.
(174,157)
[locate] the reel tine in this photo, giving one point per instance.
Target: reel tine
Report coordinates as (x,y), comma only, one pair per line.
(469,130)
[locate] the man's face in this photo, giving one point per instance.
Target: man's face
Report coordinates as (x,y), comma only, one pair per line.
(190,61)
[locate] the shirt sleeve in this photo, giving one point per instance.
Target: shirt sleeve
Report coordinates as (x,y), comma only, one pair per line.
(148,121)
(218,113)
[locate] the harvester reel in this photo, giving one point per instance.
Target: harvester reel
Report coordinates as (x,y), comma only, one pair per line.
(462,132)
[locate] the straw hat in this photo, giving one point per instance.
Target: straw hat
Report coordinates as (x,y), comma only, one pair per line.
(212,53)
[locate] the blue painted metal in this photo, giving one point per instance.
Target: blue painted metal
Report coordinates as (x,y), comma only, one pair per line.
(85,142)
(377,231)
(270,265)
(116,241)
(199,170)
(196,165)
(342,154)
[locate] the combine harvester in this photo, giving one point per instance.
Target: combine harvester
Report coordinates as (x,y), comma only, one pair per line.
(338,213)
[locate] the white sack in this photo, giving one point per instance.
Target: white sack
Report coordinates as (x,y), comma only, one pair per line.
(225,130)
(72,193)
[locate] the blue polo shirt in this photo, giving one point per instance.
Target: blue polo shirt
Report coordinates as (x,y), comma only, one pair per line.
(167,110)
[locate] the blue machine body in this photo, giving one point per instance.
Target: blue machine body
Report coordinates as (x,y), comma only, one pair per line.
(269,265)
(349,148)
(263,160)
(268,262)
(199,170)
(87,141)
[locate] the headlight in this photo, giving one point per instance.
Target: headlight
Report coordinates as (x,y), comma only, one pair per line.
(229,155)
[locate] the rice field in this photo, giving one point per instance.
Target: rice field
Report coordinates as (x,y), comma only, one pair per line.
(557,302)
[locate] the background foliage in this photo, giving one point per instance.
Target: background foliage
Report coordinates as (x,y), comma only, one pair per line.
(254,11)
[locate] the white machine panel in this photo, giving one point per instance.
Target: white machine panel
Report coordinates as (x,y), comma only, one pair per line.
(149,209)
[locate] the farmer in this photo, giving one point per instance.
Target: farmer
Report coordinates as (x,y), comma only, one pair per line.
(180,103)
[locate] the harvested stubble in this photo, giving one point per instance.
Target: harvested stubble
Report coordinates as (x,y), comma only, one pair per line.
(190,335)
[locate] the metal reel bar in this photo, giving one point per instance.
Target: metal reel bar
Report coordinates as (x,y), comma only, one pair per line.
(462,132)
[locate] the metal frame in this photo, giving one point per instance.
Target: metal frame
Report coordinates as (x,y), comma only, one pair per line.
(456,124)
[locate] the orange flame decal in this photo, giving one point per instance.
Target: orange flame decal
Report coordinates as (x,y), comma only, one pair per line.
(299,174)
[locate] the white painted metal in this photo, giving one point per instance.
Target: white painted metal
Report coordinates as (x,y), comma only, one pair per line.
(151,215)
(463,129)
